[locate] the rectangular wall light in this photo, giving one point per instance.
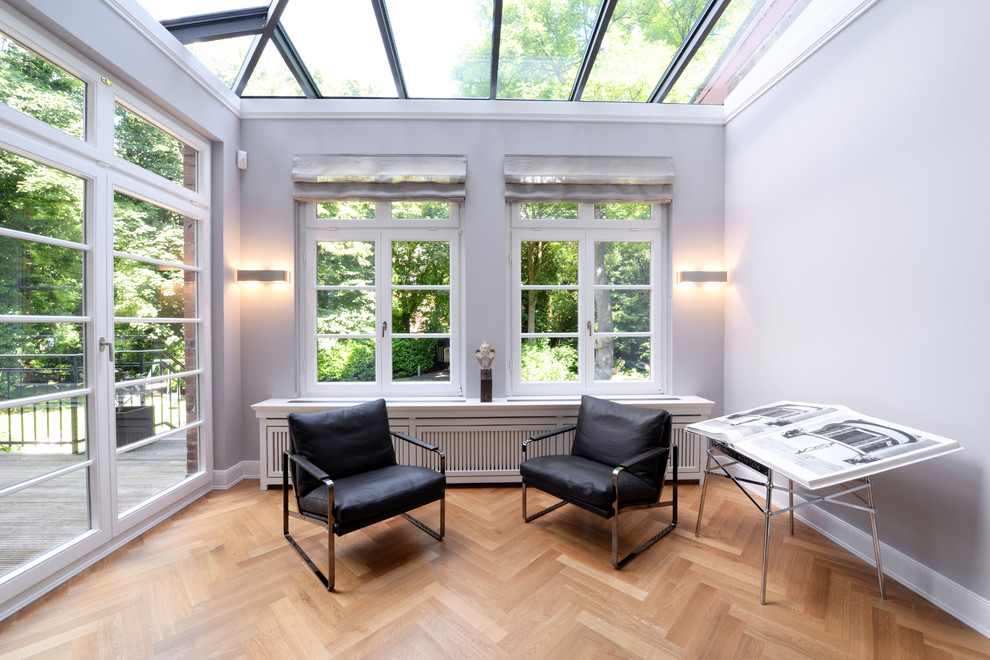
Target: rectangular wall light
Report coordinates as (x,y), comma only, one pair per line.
(262,276)
(703,276)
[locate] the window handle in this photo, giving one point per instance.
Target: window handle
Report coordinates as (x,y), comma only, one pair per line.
(384,326)
(589,328)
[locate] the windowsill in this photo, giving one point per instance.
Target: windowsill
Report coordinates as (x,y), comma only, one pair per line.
(472,406)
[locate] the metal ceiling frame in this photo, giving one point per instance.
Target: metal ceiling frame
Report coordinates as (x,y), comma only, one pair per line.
(591,52)
(699,32)
(263,23)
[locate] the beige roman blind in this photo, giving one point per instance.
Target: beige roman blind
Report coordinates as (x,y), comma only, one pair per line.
(589,178)
(318,178)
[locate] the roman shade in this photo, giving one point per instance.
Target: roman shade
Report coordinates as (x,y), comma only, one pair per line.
(589,178)
(318,178)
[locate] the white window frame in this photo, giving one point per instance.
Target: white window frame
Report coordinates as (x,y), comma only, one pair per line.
(586,230)
(382,230)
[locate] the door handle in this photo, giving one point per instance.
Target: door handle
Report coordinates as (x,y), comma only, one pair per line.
(104,345)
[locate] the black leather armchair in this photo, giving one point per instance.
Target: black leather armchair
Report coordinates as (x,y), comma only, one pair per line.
(345,475)
(618,462)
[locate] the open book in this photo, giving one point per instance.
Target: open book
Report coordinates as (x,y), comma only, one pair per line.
(820,445)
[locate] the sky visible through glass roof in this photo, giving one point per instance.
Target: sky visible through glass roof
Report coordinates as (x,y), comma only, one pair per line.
(669,51)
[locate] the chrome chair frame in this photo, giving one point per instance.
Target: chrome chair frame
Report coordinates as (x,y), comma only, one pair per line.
(616,562)
(329,580)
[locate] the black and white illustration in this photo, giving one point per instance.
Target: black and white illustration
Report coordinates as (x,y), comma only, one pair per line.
(822,445)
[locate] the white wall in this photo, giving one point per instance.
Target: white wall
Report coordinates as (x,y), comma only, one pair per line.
(268,230)
(857,233)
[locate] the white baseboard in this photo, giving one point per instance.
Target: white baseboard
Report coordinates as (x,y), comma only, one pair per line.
(224,479)
(970,608)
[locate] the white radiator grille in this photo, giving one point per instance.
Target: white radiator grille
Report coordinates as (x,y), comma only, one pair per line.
(278,442)
(481,450)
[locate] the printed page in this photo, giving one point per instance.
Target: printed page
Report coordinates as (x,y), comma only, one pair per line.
(824,452)
(764,419)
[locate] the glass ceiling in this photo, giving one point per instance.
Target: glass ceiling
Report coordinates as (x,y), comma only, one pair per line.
(655,51)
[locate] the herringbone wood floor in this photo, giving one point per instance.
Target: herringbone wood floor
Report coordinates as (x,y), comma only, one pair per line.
(218,580)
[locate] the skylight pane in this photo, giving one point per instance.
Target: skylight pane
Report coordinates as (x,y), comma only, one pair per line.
(341,45)
(542,44)
(746,30)
(445,46)
(271,77)
(223,57)
(641,40)
(162,10)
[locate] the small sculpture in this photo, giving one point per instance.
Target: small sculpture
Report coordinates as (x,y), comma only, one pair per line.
(485,355)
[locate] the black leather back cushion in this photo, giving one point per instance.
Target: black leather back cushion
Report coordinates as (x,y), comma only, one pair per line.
(612,433)
(345,441)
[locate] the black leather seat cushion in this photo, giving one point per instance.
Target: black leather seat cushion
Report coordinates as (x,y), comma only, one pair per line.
(585,482)
(367,498)
(613,433)
(342,442)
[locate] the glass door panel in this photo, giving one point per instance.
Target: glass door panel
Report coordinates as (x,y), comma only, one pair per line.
(45,456)
(156,330)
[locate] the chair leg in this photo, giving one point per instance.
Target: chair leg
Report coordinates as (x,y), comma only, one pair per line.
(527,518)
(328,582)
(619,563)
(437,535)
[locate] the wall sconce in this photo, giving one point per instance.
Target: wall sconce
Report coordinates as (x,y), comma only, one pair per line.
(262,276)
(703,276)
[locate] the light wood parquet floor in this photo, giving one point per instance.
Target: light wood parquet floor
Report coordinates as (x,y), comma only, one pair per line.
(218,580)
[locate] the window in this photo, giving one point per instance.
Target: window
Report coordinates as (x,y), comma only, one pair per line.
(380,309)
(590,292)
(45,91)
(381,304)
(138,141)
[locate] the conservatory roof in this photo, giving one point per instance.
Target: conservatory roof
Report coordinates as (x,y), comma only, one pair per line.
(646,51)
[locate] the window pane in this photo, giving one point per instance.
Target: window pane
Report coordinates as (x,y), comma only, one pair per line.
(420,210)
(549,263)
(345,263)
(346,210)
(549,359)
(145,471)
(272,77)
(622,311)
(345,360)
(223,57)
(38,88)
(30,529)
(341,46)
(622,263)
(152,231)
(622,358)
(445,58)
(420,311)
(345,312)
(622,211)
(549,311)
(139,142)
(143,350)
(641,40)
(151,291)
(425,263)
(424,359)
(40,200)
(41,438)
(40,279)
(146,409)
(548,211)
(40,358)
(541,47)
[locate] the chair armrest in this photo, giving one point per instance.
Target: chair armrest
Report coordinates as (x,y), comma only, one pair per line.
(642,457)
(417,442)
(305,464)
(548,434)
(424,445)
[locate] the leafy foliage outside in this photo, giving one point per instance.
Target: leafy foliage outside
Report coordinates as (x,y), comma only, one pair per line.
(40,89)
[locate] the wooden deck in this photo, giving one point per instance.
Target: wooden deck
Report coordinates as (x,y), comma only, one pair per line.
(41,518)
